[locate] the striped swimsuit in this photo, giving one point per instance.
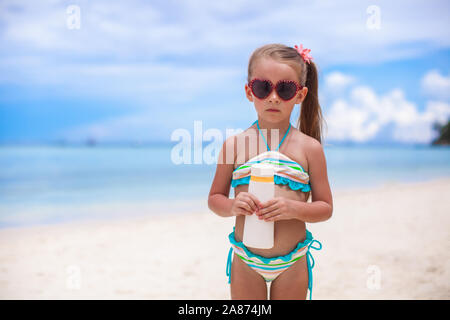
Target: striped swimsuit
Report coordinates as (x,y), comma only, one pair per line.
(290,173)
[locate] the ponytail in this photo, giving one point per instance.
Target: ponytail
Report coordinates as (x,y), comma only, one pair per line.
(311,118)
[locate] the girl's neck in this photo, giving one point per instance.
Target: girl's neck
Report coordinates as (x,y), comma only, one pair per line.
(282,126)
(267,128)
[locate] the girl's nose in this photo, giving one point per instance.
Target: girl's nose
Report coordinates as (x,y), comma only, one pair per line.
(273,97)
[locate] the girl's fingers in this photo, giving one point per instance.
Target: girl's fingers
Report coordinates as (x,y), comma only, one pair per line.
(252,204)
(267,210)
(269,214)
(268,203)
(273,217)
(242,204)
(243,212)
(255,201)
(245,207)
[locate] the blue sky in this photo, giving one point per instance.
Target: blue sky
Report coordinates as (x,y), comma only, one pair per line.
(138,70)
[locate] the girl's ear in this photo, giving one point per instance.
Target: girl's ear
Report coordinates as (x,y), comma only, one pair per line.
(301,95)
(248,93)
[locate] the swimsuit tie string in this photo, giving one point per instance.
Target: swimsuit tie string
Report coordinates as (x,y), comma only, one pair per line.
(228,271)
(267,145)
(310,264)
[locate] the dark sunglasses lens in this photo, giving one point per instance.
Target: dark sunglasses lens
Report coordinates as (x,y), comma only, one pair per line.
(261,89)
(286,90)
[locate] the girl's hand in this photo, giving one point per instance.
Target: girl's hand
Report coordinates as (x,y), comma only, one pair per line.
(245,204)
(275,209)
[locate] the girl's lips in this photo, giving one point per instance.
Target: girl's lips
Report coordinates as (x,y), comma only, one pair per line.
(273,110)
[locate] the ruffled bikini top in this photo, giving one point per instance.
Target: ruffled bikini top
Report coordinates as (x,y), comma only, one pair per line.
(287,171)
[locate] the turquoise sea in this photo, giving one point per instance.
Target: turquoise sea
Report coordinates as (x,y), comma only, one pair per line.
(49,184)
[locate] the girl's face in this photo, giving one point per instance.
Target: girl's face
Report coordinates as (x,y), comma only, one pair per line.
(269,69)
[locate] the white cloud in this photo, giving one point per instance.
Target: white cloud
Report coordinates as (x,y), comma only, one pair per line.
(419,126)
(337,81)
(335,31)
(144,51)
(137,36)
(136,82)
(436,85)
(365,114)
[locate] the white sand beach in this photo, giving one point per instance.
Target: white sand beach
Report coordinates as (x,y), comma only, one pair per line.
(391,242)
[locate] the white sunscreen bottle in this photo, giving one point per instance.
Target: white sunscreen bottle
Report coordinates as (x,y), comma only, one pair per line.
(259,233)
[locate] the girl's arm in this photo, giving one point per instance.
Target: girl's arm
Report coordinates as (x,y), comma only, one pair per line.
(218,199)
(321,207)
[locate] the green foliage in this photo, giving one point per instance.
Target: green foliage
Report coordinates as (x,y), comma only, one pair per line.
(444,133)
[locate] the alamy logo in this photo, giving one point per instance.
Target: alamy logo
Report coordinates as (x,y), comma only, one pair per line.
(374,278)
(373,22)
(190,148)
(74,17)
(73,280)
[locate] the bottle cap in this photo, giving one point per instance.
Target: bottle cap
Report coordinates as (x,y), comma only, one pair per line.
(262,170)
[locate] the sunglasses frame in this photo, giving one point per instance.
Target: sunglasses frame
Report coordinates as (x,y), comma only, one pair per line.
(298,87)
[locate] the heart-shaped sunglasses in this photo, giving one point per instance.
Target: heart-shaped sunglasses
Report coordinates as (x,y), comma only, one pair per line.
(286,89)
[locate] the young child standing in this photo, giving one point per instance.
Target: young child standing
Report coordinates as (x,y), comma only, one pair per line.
(279,77)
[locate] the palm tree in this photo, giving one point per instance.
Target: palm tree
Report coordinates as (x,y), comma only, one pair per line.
(444,133)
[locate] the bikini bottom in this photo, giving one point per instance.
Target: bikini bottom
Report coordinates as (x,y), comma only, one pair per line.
(271,268)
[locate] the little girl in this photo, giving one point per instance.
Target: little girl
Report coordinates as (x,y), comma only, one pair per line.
(279,77)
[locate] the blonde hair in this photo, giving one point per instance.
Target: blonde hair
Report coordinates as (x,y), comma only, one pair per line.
(310,120)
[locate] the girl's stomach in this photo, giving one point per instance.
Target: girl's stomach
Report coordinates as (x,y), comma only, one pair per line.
(287,232)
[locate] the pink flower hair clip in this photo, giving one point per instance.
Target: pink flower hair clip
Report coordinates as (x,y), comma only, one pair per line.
(304,53)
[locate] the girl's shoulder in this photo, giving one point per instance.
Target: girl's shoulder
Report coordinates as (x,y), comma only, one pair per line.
(302,141)
(300,146)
